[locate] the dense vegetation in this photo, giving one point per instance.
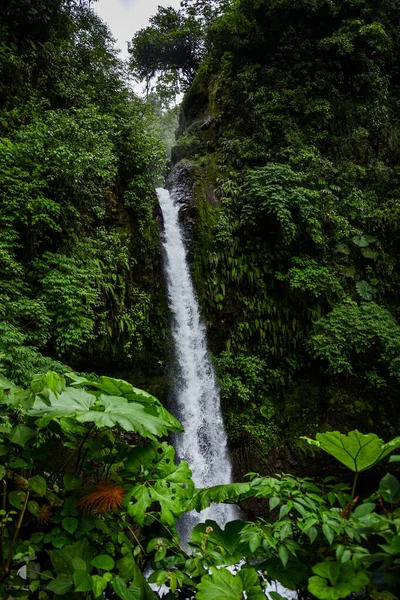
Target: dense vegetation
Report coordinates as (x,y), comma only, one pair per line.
(80,261)
(290,132)
(85,522)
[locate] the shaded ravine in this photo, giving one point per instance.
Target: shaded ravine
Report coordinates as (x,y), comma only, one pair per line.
(196,395)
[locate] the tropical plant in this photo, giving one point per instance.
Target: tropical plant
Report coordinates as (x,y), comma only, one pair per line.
(357,451)
(169,47)
(311,541)
(57,537)
(79,244)
(289,137)
(350,334)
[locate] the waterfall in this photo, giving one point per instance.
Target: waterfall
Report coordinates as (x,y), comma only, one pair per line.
(196,395)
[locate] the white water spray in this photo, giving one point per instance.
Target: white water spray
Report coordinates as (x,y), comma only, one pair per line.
(203,443)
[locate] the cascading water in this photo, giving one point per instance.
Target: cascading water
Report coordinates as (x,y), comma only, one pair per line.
(203,443)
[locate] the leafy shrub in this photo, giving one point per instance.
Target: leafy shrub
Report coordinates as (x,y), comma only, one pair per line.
(55,516)
(352,333)
(90,493)
(277,191)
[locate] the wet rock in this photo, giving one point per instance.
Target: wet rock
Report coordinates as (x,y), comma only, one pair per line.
(180,181)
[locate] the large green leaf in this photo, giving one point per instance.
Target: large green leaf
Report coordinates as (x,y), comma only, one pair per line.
(228,493)
(129,571)
(365,290)
(396,458)
(6,384)
(98,585)
(321,588)
(21,434)
(173,501)
(334,580)
(137,509)
(82,580)
(159,460)
(104,411)
(63,559)
(104,562)
(121,589)
(363,240)
(227,540)
(61,584)
(38,485)
(389,488)
(17,498)
(72,402)
(167,483)
(356,450)
(71,481)
(123,389)
(220,584)
(251,584)
(113,387)
(131,416)
(70,524)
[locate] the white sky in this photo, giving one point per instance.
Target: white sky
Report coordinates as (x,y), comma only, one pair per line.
(125,17)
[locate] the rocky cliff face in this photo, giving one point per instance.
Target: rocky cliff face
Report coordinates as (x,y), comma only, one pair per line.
(181,181)
(294,221)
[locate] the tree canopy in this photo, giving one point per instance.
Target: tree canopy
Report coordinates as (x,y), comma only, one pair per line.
(76,193)
(170,49)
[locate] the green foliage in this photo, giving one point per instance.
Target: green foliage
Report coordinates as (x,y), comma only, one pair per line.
(355,450)
(170,47)
(296,259)
(290,126)
(365,290)
(165,483)
(369,332)
(86,503)
(79,250)
(68,291)
(307,276)
(309,540)
(333,581)
(56,511)
(389,488)
(106,411)
(276,192)
(223,583)
(246,384)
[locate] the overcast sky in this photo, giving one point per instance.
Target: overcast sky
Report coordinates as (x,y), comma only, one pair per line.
(125,17)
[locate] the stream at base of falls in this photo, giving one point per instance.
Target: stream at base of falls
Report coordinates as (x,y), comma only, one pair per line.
(196,398)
